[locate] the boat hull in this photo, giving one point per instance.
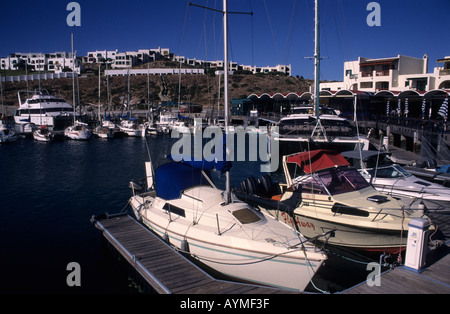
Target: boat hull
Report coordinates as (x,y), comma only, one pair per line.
(41,137)
(244,265)
(353,237)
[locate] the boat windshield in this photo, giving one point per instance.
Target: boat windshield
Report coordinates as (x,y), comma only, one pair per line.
(342,180)
(335,181)
(394,172)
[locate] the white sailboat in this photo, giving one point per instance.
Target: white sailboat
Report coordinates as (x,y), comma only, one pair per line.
(186,208)
(101,131)
(43,134)
(79,130)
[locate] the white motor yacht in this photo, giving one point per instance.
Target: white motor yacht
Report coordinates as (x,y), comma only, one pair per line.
(42,109)
(391,179)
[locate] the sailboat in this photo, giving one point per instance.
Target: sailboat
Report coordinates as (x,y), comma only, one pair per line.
(184,207)
(79,130)
(43,134)
(315,126)
(101,131)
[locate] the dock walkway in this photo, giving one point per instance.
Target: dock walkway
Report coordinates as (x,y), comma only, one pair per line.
(167,271)
(434,279)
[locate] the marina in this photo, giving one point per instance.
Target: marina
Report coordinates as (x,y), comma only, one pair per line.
(169,202)
(82,171)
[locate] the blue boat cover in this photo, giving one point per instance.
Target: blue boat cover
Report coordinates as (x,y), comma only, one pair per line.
(443,169)
(172,178)
(222,166)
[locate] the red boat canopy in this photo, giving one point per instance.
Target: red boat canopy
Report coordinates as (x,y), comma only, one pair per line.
(316,160)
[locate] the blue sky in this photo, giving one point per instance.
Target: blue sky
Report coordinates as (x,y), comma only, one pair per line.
(279,32)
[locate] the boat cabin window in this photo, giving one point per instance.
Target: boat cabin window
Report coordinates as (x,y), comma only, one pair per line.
(342,180)
(174,209)
(393,171)
(246,216)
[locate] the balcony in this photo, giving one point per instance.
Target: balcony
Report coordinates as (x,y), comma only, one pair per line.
(382,73)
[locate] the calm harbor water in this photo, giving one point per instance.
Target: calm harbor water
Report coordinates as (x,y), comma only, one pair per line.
(51,190)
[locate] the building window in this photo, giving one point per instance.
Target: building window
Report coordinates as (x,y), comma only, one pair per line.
(366,85)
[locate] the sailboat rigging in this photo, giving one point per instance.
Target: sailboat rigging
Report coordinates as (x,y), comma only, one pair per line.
(227,235)
(314,125)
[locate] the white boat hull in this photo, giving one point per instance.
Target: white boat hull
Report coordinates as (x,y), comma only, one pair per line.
(248,266)
(38,136)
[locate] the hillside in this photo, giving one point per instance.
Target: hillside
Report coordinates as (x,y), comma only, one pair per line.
(201,89)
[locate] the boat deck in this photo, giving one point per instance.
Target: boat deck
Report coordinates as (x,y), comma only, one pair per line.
(166,270)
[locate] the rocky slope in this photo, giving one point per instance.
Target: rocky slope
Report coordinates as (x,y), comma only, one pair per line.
(200,89)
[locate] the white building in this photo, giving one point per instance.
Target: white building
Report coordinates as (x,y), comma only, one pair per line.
(286,69)
(401,73)
(41,62)
(99,56)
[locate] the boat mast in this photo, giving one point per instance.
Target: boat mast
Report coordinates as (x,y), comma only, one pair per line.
(99,94)
(317,61)
(73,80)
(225,86)
(319,129)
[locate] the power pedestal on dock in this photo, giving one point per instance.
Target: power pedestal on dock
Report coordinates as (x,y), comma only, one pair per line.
(416,248)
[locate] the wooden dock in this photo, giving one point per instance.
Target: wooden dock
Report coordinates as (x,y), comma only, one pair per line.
(161,266)
(434,279)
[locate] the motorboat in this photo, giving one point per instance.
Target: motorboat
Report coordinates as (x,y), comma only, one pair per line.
(392,179)
(78,131)
(187,210)
(132,128)
(43,134)
(165,122)
(103,132)
(180,127)
(7,134)
(322,193)
(42,109)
